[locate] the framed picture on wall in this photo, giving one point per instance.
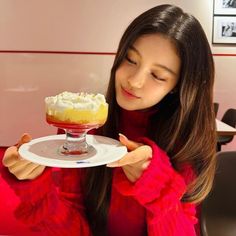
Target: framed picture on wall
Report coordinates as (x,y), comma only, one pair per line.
(225,7)
(224,29)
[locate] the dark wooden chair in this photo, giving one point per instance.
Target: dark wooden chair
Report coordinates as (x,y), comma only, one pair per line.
(229,118)
(218,210)
(216,107)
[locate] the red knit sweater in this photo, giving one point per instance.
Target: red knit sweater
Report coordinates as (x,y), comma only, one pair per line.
(52,206)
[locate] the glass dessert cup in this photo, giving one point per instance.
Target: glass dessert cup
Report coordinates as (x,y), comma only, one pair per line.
(75,142)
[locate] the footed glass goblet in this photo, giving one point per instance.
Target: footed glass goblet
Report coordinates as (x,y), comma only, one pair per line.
(75,142)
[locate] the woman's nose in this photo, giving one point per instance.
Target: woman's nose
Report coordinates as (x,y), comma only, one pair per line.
(137,79)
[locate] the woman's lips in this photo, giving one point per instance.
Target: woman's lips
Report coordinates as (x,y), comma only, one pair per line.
(128,94)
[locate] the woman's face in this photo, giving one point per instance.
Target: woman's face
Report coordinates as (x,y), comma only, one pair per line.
(148,73)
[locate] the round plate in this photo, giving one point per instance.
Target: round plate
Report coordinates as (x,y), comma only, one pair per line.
(44,151)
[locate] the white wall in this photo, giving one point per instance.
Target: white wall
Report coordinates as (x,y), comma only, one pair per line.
(81,26)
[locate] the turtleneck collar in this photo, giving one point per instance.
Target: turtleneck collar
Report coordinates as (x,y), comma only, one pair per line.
(134,124)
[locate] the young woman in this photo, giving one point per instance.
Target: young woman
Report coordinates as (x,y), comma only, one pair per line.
(160,100)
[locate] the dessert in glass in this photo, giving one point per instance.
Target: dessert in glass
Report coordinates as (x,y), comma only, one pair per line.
(76,114)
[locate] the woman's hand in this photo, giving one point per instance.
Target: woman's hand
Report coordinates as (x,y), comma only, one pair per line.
(19,167)
(135,161)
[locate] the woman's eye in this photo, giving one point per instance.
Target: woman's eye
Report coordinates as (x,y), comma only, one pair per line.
(157,77)
(130,60)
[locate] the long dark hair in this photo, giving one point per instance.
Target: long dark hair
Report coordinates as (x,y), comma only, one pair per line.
(184,125)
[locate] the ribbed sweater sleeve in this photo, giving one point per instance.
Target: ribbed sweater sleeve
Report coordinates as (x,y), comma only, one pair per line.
(51,209)
(159,190)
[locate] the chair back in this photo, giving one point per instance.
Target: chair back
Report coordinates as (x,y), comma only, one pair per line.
(218,210)
(230,117)
(216,108)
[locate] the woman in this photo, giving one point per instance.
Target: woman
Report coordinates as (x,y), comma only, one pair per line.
(160,99)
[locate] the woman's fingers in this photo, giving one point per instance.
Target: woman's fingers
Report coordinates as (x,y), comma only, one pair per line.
(19,166)
(130,174)
(131,145)
(26,170)
(10,156)
(141,153)
(146,164)
(25,138)
(133,172)
(36,172)
(135,161)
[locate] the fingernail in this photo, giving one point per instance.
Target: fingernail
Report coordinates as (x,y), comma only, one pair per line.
(122,135)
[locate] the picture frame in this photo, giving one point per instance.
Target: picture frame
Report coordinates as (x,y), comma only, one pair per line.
(224,29)
(224,7)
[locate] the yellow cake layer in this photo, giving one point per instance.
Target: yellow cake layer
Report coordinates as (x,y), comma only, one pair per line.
(80,116)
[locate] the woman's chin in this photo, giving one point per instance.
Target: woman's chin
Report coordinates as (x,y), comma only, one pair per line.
(129,106)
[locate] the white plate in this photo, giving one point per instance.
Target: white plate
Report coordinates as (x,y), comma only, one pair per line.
(44,151)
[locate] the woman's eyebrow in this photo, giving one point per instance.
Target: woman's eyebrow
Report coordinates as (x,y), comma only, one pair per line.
(135,49)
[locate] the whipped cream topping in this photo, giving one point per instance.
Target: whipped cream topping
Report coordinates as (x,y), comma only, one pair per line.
(78,101)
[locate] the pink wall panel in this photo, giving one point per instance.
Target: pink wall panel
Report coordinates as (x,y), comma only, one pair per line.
(26,79)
